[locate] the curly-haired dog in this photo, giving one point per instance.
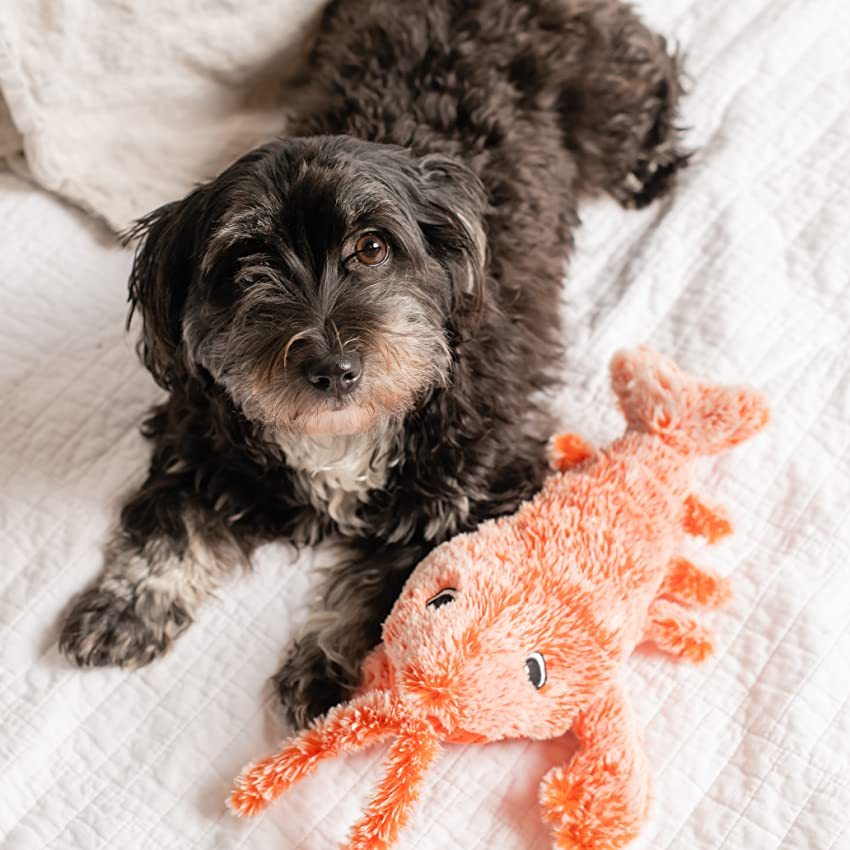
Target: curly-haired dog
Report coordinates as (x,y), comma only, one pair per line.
(354,324)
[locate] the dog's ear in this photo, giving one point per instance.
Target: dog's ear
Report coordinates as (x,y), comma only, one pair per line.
(163,269)
(451,215)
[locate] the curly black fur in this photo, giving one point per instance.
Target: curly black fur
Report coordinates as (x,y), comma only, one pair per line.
(463,134)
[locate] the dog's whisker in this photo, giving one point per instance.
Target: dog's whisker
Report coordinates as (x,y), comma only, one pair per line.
(292,340)
(340,346)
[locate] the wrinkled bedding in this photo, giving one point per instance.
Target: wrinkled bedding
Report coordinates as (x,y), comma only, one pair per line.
(743,276)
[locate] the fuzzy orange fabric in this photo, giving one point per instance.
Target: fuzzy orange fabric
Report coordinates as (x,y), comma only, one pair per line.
(520,628)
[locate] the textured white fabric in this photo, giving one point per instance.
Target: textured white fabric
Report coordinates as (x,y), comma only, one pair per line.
(122,105)
(743,276)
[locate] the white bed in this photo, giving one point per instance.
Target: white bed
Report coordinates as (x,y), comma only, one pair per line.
(743,276)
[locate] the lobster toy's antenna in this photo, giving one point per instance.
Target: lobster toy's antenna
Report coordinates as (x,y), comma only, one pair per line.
(352,726)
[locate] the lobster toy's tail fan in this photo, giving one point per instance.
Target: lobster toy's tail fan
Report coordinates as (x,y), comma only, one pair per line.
(657,397)
(351,726)
(389,809)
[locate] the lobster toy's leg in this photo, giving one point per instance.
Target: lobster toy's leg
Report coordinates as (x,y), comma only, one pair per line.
(568,450)
(351,726)
(704,520)
(601,798)
(692,585)
(409,758)
(673,629)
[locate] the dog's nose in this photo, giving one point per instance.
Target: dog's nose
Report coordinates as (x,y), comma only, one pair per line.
(339,373)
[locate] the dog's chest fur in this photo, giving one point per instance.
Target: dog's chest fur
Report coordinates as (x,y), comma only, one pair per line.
(335,474)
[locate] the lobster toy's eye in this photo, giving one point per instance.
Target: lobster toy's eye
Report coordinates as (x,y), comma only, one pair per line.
(444,597)
(536,667)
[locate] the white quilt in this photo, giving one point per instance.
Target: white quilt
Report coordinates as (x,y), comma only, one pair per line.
(122,105)
(743,276)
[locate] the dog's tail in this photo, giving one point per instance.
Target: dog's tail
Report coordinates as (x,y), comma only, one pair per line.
(657,397)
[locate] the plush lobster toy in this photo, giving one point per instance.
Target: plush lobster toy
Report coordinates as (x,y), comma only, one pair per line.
(519,629)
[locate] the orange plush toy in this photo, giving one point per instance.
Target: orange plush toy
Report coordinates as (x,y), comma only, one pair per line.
(519,629)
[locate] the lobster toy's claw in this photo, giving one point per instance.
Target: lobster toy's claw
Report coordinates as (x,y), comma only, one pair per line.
(601,798)
(352,726)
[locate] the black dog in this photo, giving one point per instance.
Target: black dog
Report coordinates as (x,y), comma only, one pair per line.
(354,325)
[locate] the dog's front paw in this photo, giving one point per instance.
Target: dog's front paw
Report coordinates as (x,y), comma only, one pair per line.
(308,684)
(119,626)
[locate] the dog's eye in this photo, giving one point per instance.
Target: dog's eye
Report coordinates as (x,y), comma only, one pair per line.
(536,667)
(444,597)
(371,250)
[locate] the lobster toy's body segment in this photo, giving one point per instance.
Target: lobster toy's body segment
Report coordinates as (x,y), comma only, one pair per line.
(519,628)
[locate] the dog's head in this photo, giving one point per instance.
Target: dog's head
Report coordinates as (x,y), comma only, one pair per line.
(317,280)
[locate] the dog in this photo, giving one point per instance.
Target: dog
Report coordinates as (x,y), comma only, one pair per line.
(357,325)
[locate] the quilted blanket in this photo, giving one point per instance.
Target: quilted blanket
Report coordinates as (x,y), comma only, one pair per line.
(743,275)
(123,106)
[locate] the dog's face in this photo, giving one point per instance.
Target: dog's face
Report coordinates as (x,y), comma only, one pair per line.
(316,280)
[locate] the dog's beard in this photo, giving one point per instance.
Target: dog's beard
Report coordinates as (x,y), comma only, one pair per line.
(283,411)
(351,419)
(400,367)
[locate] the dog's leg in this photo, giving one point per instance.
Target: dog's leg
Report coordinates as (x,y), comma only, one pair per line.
(618,103)
(324,665)
(165,558)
